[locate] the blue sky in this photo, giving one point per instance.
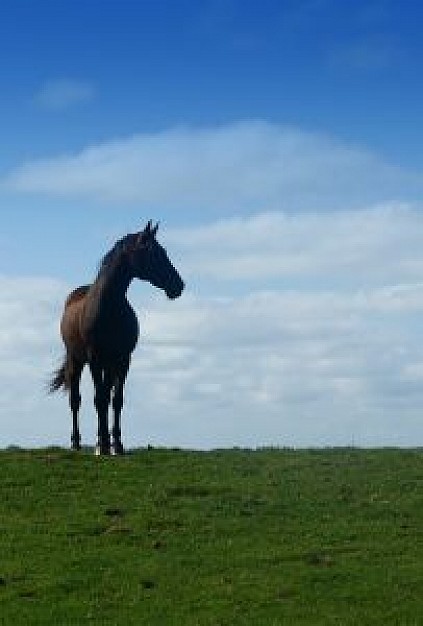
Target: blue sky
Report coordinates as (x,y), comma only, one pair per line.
(279,143)
(348,68)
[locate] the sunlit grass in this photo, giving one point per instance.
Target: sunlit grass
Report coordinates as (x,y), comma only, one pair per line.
(225,537)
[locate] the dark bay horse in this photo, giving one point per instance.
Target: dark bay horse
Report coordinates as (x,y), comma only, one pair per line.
(99,327)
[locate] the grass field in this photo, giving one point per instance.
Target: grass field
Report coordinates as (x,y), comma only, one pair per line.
(167,537)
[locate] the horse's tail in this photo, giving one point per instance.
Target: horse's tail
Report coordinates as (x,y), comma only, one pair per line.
(61,377)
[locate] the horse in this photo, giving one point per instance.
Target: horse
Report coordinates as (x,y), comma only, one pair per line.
(100,328)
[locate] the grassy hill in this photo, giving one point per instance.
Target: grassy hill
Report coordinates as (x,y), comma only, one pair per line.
(167,537)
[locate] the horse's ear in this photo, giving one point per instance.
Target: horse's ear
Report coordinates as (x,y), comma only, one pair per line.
(147,234)
(149,231)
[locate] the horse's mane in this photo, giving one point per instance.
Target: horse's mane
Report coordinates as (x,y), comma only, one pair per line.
(110,258)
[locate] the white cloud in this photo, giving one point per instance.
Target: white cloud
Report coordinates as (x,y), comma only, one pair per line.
(376,246)
(250,166)
(60,94)
(334,361)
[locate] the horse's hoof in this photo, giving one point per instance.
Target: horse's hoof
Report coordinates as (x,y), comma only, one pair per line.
(99,451)
(75,443)
(117,449)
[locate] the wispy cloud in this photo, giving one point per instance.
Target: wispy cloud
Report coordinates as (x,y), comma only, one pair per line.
(250,166)
(369,54)
(61,94)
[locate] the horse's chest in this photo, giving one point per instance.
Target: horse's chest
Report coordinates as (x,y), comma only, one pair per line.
(112,329)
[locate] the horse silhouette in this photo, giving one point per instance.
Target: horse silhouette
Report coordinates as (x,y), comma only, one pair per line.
(100,327)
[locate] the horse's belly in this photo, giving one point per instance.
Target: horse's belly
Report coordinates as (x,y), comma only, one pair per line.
(121,336)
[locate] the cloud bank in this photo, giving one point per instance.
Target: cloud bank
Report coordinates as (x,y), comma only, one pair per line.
(329,354)
(301,321)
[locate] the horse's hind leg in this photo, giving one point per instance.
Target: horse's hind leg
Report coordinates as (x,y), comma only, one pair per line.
(75,403)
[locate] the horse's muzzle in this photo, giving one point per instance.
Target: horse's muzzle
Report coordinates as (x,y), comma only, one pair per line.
(175,289)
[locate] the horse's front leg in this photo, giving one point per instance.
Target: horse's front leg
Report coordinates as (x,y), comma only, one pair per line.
(117,447)
(102,385)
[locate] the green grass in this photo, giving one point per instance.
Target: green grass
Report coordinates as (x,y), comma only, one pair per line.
(161,537)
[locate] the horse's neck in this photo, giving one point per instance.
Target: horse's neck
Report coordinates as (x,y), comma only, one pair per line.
(112,284)
(104,303)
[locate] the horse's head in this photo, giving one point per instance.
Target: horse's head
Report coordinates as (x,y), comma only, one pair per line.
(149,261)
